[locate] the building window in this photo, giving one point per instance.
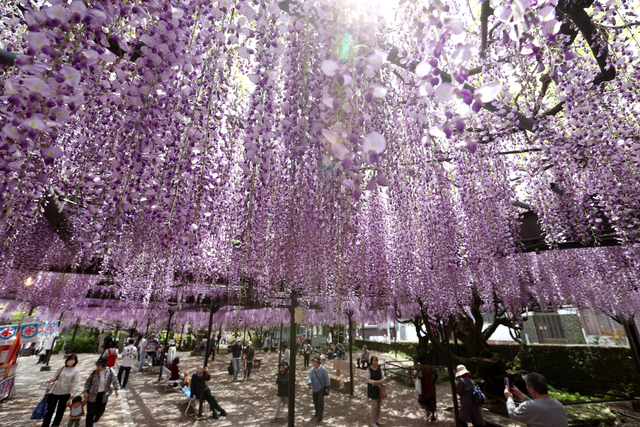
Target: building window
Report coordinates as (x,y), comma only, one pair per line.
(549,328)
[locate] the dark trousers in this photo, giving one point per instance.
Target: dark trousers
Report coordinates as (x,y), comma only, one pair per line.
(247,372)
(126,370)
(52,400)
(213,403)
(213,354)
(364,362)
(306,360)
(318,403)
(95,410)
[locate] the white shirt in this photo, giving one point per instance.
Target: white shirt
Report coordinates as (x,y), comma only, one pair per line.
(171,353)
(68,381)
(48,343)
(103,379)
(75,411)
(143,345)
(286,355)
(129,355)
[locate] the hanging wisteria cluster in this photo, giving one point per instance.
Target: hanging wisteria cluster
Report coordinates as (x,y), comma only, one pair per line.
(338,149)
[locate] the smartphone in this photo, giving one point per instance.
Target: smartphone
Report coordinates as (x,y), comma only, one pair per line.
(507,383)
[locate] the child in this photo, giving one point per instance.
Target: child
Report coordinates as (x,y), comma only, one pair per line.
(76,405)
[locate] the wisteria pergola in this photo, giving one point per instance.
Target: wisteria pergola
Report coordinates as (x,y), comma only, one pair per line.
(349,149)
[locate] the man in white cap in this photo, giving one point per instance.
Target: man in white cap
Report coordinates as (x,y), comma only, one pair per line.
(236,358)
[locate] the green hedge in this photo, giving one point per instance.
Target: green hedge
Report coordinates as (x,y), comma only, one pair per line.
(586,368)
(80,345)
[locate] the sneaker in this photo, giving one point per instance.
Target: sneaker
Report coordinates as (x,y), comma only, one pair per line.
(379,423)
(214,415)
(223,412)
(275,420)
(429,417)
(434,419)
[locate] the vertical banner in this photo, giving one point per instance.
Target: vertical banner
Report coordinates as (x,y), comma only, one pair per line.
(29,333)
(5,388)
(42,331)
(8,334)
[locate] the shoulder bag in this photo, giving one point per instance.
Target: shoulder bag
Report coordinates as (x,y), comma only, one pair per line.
(326,388)
(41,408)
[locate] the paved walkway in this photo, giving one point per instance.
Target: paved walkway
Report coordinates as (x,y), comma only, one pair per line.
(248,403)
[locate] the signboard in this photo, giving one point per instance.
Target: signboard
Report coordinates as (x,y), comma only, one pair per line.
(5,387)
(8,333)
(299,315)
(29,333)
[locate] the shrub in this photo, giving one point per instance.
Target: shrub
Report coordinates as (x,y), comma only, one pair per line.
(80,345)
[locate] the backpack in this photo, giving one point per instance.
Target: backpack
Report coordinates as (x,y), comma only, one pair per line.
(476,395)
(111,358)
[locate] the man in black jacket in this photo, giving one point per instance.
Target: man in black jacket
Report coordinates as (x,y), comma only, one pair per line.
(283,388)
(236,358)
(196,385)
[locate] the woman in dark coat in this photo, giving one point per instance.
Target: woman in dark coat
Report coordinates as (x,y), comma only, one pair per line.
(283,389)
(470,412)
(427,377)
(375,379)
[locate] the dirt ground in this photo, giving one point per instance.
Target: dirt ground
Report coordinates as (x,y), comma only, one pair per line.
(248,403)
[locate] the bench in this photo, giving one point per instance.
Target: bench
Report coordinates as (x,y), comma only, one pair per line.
(190,403)
(170,384)
(339,383)
(343,365)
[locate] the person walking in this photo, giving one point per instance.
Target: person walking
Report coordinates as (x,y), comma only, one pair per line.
(203,347)
(247,356)
(106,343)
(287,354)
(542,411)
(236,358)
(306,353)
(318,382)
(375,381)
(129,354)
(427,377)
(364,358)
(282,396)
(214,344)
(111,354)
(65,383)
(265,345)
(76,411)
(97,390)
(196,386)
(48,346)
(470,412)
(142,351)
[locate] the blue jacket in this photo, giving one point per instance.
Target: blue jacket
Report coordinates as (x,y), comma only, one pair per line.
(319,379)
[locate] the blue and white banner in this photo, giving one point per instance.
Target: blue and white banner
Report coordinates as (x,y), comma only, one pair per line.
(5,387)
(29,333)
(8,333)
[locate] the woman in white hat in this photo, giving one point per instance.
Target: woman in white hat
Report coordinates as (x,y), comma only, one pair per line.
(171,352)
(470,412)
